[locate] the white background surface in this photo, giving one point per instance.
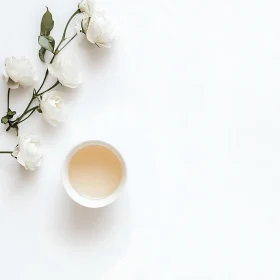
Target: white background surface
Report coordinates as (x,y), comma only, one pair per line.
(190,95)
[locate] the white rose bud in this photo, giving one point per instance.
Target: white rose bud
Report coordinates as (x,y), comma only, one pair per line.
(28,152)
(87,7)
(99,30)
(19,72)
(53,107)
(66,68)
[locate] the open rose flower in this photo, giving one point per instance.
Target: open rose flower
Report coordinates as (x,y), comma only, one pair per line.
(66,68)
(28,152)
(53,107)
(87,7)
(19,72)
(98,29)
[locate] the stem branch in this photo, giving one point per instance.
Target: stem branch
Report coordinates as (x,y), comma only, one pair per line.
(68,42)
(32,111)
(34,108)
(57,83)
(46,75)
(64,35)
(66,27)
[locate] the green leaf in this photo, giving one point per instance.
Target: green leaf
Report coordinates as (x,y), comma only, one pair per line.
(42,53)
(4,120)
(47,43)
(11,113)
(44,42)
(51,40)
(47,24)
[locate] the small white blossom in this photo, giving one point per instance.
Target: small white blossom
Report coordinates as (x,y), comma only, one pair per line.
(87,7)
(19,72)
(28,152)
(99,29)
(53,107)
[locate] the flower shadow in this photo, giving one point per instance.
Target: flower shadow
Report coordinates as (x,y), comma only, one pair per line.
(97,57)
(24,183)
(45,130)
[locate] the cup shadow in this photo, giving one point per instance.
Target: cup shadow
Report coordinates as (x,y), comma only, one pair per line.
(87,223)
(105,233)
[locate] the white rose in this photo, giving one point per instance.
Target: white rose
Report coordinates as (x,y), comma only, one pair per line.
(28,152)
(19,71)
(53,107)
(87,7)
(99,30)
(66,68)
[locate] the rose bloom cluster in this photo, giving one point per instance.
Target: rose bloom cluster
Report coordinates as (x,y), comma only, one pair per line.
(97,27)
(66,69)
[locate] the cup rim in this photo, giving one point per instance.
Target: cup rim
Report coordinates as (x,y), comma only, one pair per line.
(77,197)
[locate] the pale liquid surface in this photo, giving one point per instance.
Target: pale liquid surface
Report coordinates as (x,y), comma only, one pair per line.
(95,171)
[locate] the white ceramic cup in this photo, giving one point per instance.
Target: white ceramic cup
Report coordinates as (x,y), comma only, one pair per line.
(79,198)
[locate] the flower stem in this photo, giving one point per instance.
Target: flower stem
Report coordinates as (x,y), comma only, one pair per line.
(37,94)
(34,108)
(57,83)
(66,27)
(8,100)
(64,34)
(30,102)
(46,75)
(57,48)
(68,42)
(26,111)
(4,152)
(32,111)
